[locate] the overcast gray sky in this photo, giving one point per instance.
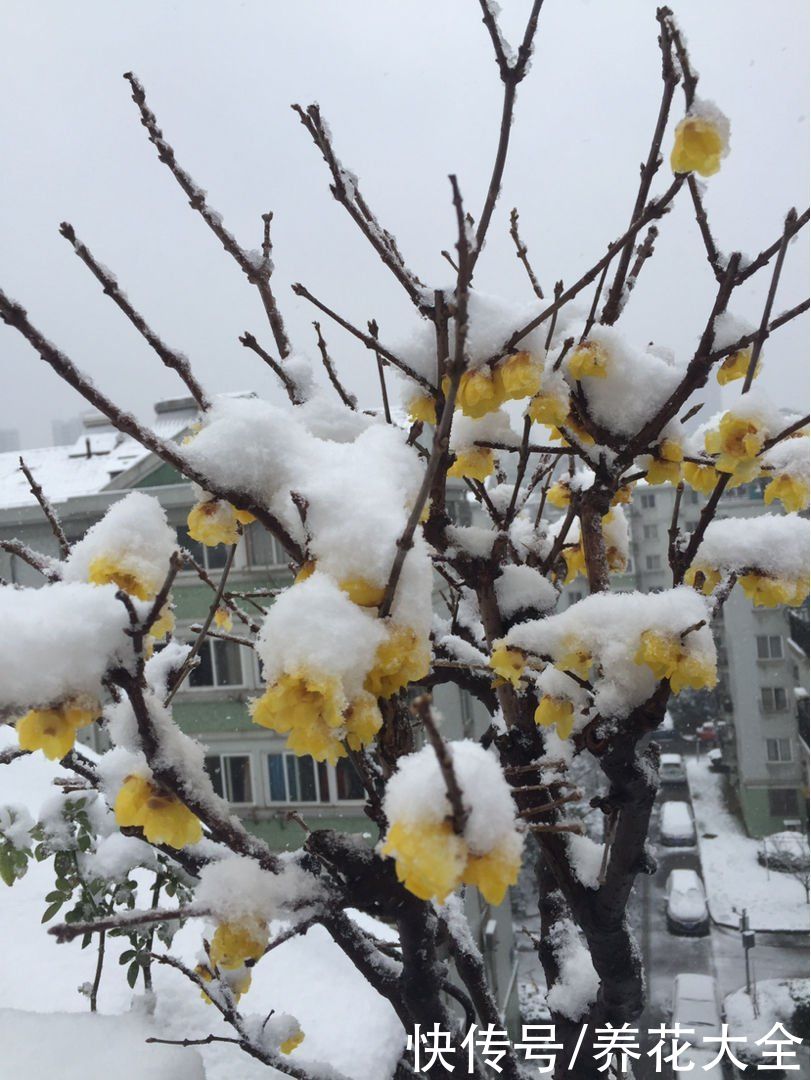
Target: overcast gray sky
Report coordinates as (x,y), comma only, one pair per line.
(411,92)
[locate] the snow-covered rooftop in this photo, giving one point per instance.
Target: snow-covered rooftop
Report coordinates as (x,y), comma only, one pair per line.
(85,466)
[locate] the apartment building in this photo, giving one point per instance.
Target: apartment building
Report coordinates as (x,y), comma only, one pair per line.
(763,671)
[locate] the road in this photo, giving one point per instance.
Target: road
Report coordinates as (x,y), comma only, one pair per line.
(665,955)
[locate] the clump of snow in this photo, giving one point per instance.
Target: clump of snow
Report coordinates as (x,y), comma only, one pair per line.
(315,627)
(492,320)
(236,887)
(609,626)
(134,534)
(636,384)
(788,458)
(585,859)
(576,987)
(775,544)
(519,588)
(80,1046)
(116,856)
(728,329)
(704,109)
(494,427)
(779,1001)
(417,792)
(58,641)
(473,540)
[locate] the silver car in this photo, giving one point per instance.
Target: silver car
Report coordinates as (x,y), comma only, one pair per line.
(687,911)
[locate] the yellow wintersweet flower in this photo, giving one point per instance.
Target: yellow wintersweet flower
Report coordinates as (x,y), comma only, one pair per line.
(492,874)
(53,731)
(575,658)
(401,659)
(292,1041)
(422,408)
(548,409)
(508,663)
(556,712)
(477,463)
(216,522)
(430,858)
(362,592)
(576,428)
(737,442)
(735,366)
(575,559)
(222,619)
(669,657)
(765,591)
(701,478)
(235,942)
(363,721)
(164,624)
(559,495)
(711,578)
(623,494)
(239,982)
(104,570)
(478,394)
(589,360)
(306,570)
(665,464)
(308,709)
(162,816)
(518,377)
(791,491)
(698,147)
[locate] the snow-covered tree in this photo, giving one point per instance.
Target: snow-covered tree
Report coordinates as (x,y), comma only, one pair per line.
(548,415)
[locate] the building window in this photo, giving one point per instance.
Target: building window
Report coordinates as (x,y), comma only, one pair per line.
(231,776)
(295,779)
(773,699)
(220,665)
(212,558)
(769,647)
(648,500)
(653,562)
(459,511)
(783,802)
(262,548)
(778,750)
(575,596)
(348,784)
(651,532)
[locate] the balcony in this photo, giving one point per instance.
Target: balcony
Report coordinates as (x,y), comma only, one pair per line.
(799,629)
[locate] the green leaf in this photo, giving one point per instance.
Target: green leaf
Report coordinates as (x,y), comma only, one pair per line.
(126,956)
(51,910)
(57,894)
(132,974)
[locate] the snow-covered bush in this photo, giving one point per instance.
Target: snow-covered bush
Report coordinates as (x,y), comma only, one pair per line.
(546,414)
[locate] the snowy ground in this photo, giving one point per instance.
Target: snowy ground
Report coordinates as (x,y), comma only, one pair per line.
(345,1023)
(732,874)
(777,1002)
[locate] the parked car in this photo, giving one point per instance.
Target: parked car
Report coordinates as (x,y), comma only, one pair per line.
(676,828)
(671,769)
(687,911)
(695,1005)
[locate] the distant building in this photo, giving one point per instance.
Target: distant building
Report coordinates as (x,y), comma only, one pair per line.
(9,440)
(762,670)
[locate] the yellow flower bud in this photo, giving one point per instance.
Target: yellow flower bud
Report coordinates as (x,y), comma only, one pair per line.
(53,731)
(557,713)
(477,463)
(588,360)
(162,816)
(699,146)
(508,663)
(669,657)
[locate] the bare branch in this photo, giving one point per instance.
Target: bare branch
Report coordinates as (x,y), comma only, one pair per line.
(348,399)
(47,509)
(290,388)
(423,709)
(791,219)
(766,255)
(174,360)
(522,253)
(257,271)
(43,564)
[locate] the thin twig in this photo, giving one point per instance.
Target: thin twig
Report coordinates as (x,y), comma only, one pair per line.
(290,388)
(47,508)
(348,399)
(791,218)
(422,708)
(522,252)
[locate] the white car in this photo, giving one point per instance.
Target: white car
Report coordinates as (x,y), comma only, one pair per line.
(695,1005)
(671,769)
(676,828)
(687,911)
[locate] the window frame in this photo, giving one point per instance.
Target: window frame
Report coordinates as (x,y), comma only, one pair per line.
(209,644)
(772,707)
(769,640)
(222,755)
(779,745)
(786,811)
(286,756)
